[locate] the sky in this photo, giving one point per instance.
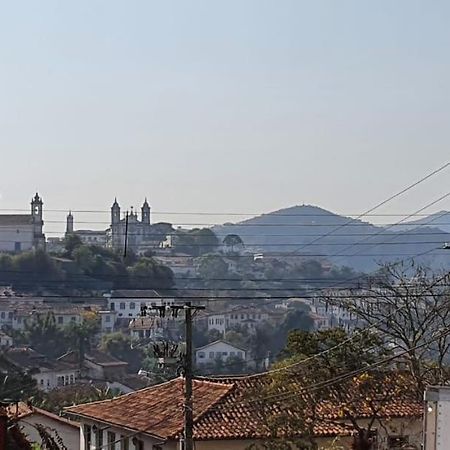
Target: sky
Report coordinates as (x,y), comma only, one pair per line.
(242,106)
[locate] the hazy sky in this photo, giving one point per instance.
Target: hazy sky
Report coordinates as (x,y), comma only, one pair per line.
(237,105)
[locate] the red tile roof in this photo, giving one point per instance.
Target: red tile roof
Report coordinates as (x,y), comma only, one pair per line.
(225,408)
(21,410)
(157,410)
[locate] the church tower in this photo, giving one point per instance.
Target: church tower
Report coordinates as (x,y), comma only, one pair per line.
(115,213)
(69,223)
(37,220)
(115,225)
(145,211)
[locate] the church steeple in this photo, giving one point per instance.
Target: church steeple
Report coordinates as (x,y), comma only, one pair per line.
(69,223)
(145,212)
(115,212)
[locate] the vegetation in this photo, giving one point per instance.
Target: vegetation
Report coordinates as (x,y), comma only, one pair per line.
(195,242)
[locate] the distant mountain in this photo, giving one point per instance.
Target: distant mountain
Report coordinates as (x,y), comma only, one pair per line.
(440,220)
(315,232)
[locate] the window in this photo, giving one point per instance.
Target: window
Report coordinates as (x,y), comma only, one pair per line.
(108,319)
(17,246)
(211,355)
(242,316)
(232,354)
(124,443)
(73,319)
(224,353)
(3,315)
(42,382)
(132,305)
(72,379)
(239,354)
(87,436)
(60,320)
(122,305)
(111,440)
(112,306)
(138,444)
(99,438)
(218,354)
(10,315)
(201,354)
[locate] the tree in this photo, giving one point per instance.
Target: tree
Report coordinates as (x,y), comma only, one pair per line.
(232,240)
(43,334)
(408,306)
(196,242)
(148,274)
(80,335)
(338,369)
(212,268)
(120,346)
(71,243)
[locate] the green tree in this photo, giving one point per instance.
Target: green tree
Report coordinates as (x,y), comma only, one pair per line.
(43,335)
(122,347)
(148,274)
(232,240)
(212,268)
(330,356)
(71,243)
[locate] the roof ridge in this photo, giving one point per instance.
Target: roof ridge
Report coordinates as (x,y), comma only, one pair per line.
(108,400)
(231,387)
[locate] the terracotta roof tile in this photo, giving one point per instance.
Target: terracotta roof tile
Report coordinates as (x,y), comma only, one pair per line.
(157,410)
(224,408)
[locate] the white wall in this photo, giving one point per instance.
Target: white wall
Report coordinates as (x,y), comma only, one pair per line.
(47,381)
(10,234)
(131,307)
(69,434)
(217,350)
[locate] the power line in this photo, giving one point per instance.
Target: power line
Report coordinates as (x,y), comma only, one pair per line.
(384,202)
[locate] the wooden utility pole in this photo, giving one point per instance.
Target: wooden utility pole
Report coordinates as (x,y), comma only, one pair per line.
(188,404)
(189,310)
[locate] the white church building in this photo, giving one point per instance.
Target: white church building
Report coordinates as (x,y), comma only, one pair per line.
(22,232)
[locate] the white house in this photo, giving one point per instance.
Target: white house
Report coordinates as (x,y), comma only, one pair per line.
(250,318)
(49,374)
(107,321)
(218,350)
(29,416)
(128,303)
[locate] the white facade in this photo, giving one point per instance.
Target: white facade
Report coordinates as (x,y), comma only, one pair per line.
(218,350)
(16,238)
(98,435)
(67,430)
(22,232)
(127,304)
(250,318)
(108,320)
(51,379)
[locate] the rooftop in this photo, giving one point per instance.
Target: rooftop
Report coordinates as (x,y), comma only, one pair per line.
(224,408)
(15,219)
(21,410)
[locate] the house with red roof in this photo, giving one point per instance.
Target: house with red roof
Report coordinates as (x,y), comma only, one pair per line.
(227,416)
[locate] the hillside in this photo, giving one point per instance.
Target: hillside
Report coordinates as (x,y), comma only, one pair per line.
(295,231)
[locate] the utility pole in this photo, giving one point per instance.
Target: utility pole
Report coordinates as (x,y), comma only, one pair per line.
(188,405)
(189,312)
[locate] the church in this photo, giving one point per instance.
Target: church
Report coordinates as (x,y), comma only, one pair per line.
(129,229)
(22,232)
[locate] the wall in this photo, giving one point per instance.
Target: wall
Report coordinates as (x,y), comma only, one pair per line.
(9,234)
(215,350)
(69,434)
(47,381)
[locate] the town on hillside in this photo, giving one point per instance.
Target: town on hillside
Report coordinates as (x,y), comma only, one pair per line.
(224,225)
(120,318)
